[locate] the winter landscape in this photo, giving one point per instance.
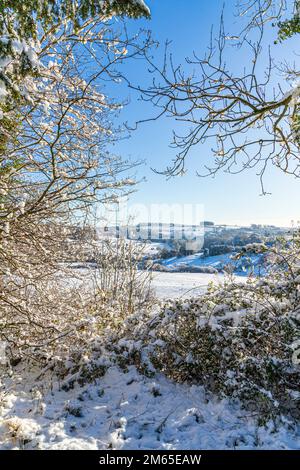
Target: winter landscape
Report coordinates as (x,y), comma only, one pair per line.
(149,234)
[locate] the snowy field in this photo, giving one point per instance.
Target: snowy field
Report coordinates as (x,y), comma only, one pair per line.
(165,285)
(174,285)
(130,411)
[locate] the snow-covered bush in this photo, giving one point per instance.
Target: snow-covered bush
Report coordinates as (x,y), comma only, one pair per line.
(239,339)
(60,311)
(41,312)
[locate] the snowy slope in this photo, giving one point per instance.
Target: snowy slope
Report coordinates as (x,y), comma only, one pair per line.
(130,411)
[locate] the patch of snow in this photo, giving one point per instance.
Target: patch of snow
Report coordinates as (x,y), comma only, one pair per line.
(131,411)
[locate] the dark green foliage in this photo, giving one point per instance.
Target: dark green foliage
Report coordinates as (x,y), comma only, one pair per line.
(25,15)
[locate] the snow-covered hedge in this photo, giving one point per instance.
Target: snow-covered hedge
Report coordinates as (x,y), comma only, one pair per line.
(240,340)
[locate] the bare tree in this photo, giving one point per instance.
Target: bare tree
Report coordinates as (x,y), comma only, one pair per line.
(249,118)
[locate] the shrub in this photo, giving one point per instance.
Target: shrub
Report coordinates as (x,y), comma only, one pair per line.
(238,339)
(66,312)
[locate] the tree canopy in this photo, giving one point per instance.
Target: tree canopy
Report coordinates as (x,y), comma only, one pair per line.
(23,23)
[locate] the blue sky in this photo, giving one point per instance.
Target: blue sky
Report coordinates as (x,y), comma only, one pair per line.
(231,199)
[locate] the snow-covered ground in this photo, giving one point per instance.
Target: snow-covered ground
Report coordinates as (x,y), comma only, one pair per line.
(130,411)
(174,285)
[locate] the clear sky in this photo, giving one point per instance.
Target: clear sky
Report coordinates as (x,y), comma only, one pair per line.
(231,199)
